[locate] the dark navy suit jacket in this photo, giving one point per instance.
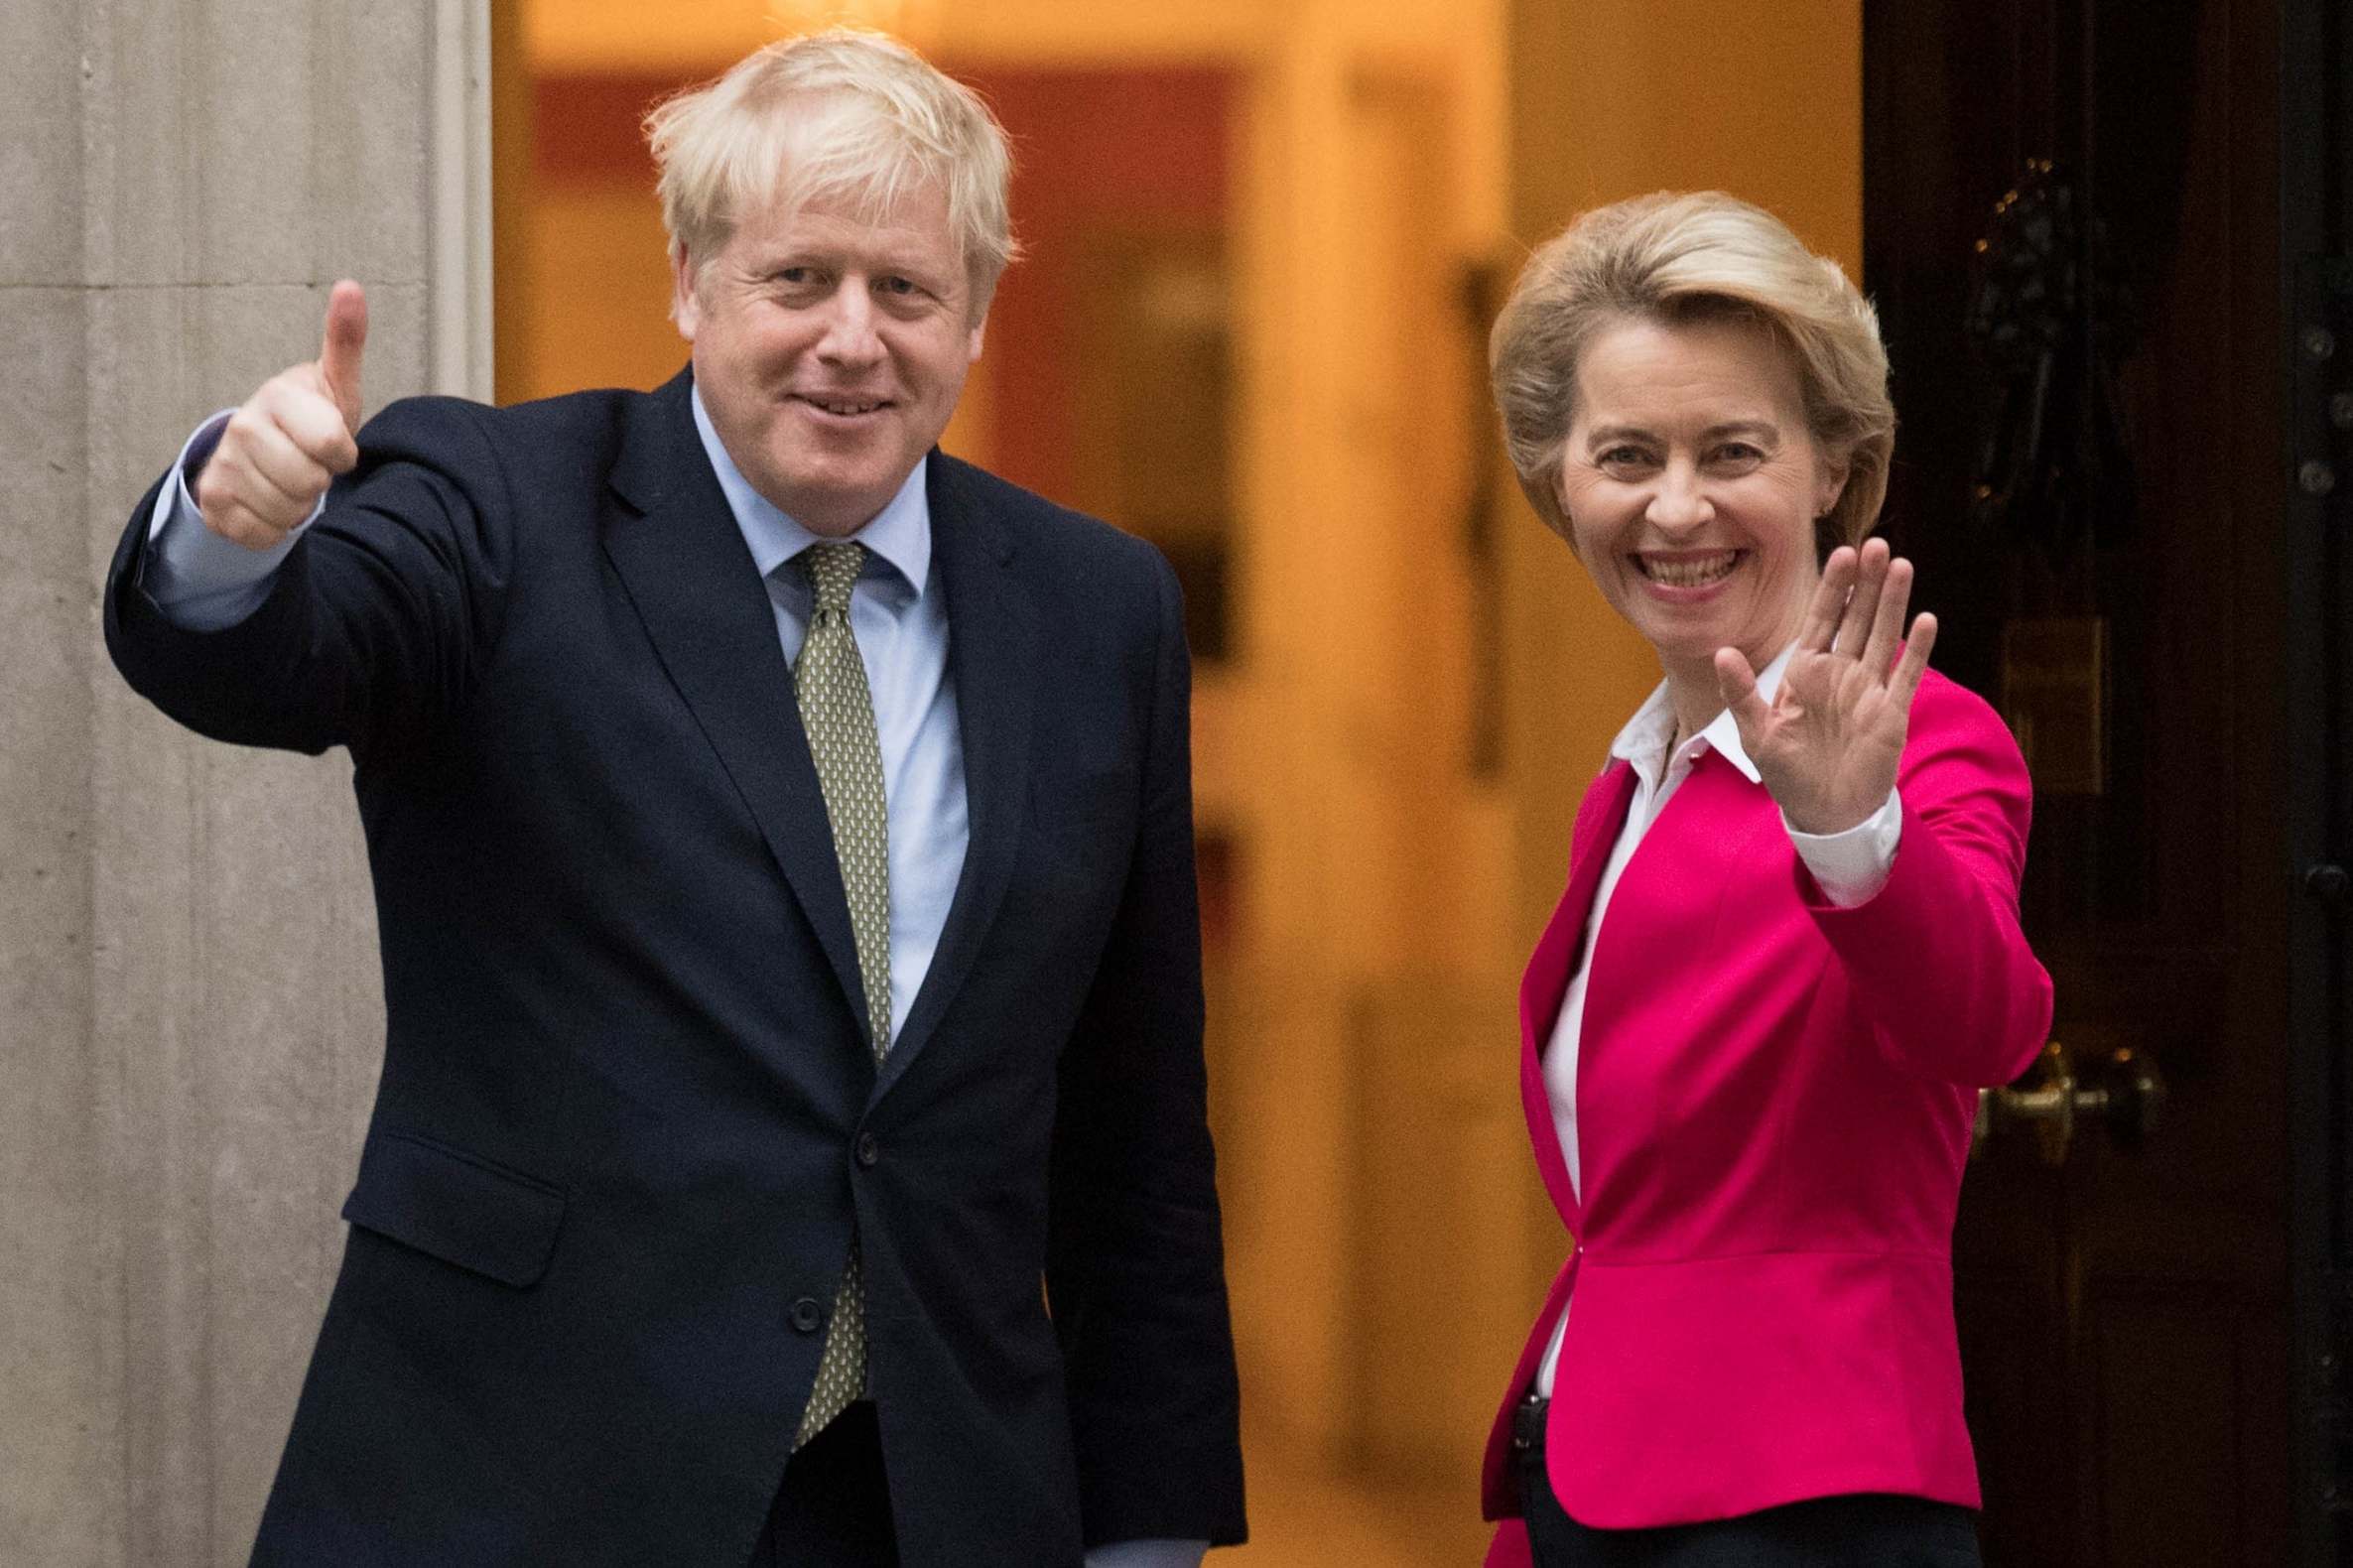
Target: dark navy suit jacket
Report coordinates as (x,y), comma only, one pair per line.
(627,1114)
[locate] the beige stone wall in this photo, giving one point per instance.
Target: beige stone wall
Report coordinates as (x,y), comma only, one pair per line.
(190,1012)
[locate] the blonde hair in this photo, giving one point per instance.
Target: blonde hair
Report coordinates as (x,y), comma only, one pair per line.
(1678,259)
(839,115)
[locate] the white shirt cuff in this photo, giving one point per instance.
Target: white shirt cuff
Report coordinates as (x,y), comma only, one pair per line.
(1852,867)
(201,580)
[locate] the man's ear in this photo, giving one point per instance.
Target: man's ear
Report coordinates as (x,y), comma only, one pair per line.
(973,345)
(684,308)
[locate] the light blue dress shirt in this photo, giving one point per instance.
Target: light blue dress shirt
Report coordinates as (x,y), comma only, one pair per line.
(898,613)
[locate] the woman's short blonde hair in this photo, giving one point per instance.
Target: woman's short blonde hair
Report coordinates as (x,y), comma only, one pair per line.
(1681,258)
(841,115)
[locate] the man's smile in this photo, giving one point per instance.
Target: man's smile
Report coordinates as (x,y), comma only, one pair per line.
(840,407)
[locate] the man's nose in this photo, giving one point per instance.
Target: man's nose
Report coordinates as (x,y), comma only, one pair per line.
(849,337)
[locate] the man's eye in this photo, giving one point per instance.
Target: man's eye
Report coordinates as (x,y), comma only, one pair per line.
(898,286)
(795,277)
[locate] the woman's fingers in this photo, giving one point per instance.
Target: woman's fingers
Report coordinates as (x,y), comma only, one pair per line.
(1886,624)
(1871,571)
(1830,602)
(1736,682)
(1908,675)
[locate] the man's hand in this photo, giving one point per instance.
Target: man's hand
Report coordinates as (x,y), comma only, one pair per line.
(281,451)
(1828,744)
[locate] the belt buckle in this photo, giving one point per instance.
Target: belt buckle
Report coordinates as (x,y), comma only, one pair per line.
(1527,1422)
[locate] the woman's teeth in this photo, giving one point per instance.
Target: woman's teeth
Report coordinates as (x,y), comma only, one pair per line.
(1689,570)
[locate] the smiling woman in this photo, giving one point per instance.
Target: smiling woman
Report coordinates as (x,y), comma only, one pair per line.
(1691,482)
(1750,1053)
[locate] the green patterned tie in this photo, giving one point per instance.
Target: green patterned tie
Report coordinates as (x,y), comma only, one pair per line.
(837,710)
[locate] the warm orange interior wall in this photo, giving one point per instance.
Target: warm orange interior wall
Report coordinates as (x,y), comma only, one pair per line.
(1095,148)
(585,300)
(1616,97)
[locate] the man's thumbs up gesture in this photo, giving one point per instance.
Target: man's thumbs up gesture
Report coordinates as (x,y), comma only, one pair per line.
(281,451)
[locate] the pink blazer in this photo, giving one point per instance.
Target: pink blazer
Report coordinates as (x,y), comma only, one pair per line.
(1774,1103)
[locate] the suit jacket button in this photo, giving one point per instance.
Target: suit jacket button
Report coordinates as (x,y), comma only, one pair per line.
(869,1148)
(808,1316)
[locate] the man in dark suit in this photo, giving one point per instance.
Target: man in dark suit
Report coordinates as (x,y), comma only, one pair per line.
(791,1142)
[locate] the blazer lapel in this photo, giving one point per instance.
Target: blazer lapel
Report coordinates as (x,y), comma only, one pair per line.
(679,553)
(1599,820)
(992,657)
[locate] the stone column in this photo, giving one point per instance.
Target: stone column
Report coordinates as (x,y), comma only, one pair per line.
(189,999)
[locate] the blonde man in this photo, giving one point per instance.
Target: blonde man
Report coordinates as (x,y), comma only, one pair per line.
(783,852)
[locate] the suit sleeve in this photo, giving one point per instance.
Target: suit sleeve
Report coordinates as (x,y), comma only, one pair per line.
(1135,1268)
(202,581)
(1938,957)
(375,622)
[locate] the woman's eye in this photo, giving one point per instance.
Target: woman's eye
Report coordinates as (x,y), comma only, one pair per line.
(1739,453)
(1624,457)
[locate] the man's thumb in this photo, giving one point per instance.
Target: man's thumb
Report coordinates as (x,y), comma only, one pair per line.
(338,354)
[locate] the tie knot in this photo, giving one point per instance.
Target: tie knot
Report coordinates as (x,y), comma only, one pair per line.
(833,572)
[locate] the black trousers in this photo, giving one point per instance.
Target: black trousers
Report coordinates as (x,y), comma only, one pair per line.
(832,1509)
(1865,1530)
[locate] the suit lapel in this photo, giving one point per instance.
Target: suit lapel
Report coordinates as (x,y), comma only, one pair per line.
(682,558)
(992,657)
(1599,820)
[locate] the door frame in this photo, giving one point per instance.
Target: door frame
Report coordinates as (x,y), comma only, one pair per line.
(2316,290)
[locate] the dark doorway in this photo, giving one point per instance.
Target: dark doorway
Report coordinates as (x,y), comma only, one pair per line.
(2093,228)
(2317,282)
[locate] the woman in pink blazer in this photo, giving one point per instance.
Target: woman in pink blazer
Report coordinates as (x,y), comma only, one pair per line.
(1789,953)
